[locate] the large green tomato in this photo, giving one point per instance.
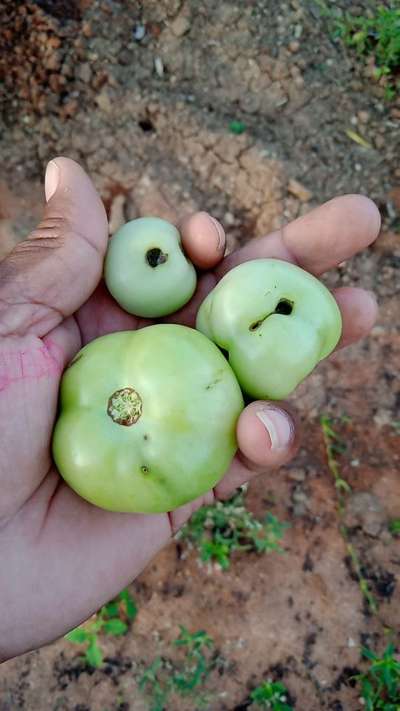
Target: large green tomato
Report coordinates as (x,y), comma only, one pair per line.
(146,269)
(147,419)
(275,320)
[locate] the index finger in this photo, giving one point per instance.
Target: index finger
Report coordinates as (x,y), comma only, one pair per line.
(318,241)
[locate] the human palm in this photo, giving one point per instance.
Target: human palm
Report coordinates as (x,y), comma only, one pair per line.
(70,556)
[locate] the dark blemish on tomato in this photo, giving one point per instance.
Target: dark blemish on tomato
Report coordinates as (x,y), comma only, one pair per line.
(144,469)
(284,307)
(214,382)
(155,257)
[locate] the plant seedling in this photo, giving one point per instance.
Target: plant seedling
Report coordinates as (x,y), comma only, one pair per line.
(380,684)
(270,695)
(218,531)
(108,620)
(186,677)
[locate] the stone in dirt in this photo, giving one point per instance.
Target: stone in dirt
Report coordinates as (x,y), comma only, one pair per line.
(117,217)
(364,510)
(299,190)
(180,26)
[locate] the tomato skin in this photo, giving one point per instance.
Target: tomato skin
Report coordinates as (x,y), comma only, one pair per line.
(275,320)
(146,270)
(177,401)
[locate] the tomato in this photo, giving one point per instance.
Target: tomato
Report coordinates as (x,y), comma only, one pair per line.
(276,322)
(147,419)
(146,269)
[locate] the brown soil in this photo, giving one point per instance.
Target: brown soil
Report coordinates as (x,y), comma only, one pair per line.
(149,119)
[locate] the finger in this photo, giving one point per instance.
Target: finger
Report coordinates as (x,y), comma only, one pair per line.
(203,239)
(268,437)
(187,315)
(359,311)
(101,315)
(49,275)
(181,515)
(320,240)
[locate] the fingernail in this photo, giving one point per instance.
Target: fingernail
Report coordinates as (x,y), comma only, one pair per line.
(278,425)
(220,233)
(51,179)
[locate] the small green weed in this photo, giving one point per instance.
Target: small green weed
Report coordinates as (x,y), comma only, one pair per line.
(270,695)
(380,684)
(219,530)
(107,620)
(237,127)
(379,35)
(394,527)
(335,447)
(186,677)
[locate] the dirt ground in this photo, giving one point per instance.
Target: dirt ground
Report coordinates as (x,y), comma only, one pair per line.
(143,95)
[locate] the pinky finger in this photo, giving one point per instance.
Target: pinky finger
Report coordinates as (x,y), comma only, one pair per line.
(268,437)
(203,239)
(359,311)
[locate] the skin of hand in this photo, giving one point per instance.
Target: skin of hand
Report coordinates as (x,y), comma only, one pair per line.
(62,558)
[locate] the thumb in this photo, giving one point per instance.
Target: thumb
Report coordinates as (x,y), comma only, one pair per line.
(49,275)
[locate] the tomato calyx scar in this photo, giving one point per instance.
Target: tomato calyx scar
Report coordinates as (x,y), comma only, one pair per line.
(125,406)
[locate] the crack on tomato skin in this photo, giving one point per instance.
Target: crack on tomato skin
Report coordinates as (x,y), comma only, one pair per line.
(214,383)
(284,307)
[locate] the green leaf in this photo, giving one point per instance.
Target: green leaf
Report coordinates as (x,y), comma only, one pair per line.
(271,695)
(94,656)
(111,609)
(359,37)
(394,527)
(115,626)
(130,605)
(96,624)
(220,530)
(78,636)
(150,674)
(237,127)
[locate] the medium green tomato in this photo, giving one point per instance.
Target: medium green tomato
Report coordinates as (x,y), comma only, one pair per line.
(146,269)
(275,320)
(147,419)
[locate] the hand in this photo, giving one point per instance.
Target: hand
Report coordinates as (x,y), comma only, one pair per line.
(71,556)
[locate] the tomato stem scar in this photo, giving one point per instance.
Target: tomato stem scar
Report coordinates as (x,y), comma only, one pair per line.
(125,406)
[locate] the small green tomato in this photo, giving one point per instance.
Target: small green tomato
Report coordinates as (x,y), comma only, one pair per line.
(147,419)
(275,320)
(146,269)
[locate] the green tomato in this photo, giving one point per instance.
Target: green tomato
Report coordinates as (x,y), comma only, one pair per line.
(275,320)
(146,269)
(147,419)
